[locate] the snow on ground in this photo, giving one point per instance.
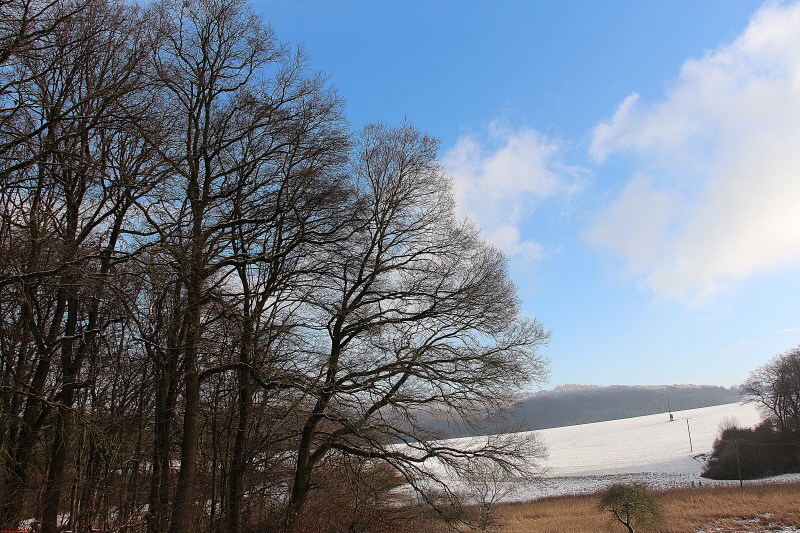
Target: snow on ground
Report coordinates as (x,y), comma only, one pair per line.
(643,444)
(587,458)
(652,449)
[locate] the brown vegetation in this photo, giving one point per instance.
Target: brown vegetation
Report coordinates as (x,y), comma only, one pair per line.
(719,509)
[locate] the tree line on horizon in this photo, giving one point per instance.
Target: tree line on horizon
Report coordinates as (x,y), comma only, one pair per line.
(221,309)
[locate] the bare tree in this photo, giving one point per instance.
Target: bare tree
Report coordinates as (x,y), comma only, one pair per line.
(203,282)
(27,25)
(251,138)
(487,483)
(775,389)
(413,312)
(65,201)
(32,33)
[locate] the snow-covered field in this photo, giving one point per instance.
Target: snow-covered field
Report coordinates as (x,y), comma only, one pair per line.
(588,457)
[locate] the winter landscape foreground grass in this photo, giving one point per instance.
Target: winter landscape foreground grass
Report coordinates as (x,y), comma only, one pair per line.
(691,510)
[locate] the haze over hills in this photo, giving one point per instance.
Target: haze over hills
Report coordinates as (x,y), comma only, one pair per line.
(568,405)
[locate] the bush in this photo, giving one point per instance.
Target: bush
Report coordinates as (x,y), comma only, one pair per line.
(759,452)
(631,505)
(354,495)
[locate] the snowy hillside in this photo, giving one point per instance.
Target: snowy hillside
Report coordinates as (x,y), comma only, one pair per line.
(588,457)
(643,444)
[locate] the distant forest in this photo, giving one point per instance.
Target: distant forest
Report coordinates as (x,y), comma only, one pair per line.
(568,405)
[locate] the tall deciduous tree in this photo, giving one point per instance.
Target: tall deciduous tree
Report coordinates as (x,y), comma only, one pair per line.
(413,312)
(251,142)
(206,279)
(66,200)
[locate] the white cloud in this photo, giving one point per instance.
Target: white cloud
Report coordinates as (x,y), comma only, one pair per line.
(500,179)
(716,196)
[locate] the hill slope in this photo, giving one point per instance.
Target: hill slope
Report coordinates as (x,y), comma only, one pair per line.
(651,449)
(569,405)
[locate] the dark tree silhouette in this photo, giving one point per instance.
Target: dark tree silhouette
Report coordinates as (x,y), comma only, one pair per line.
(215,298)
(775,389)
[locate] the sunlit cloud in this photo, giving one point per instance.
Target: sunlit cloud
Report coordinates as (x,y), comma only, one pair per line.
(716,194)
(502,177)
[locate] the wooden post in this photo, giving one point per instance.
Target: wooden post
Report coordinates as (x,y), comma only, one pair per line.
(739,463)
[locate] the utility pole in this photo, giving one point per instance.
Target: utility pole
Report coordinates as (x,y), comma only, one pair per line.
(687,418)
(669,409)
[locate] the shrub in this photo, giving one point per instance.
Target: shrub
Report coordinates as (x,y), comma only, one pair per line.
(631,505)
(753,453)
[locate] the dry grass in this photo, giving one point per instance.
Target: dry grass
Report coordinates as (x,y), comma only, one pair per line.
(708,509)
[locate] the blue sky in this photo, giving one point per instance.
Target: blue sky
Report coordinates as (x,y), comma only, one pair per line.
(638,161)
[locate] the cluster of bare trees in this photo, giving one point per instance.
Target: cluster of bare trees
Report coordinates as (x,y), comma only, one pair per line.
(775,389)
(215,299)
(771,447)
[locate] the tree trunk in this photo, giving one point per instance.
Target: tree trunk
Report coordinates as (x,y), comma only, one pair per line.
(70,362)
(182,512)
(20,447)
(233,513)
(302,474)
(306,461)
(160,480)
